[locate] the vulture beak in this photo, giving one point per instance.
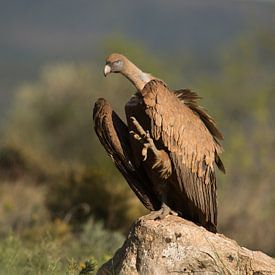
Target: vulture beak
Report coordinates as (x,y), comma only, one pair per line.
(107,70)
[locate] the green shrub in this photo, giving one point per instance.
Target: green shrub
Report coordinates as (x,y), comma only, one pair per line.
(79,192)
(53,255)
(22,206)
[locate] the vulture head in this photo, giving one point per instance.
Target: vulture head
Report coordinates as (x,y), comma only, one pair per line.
(115,63)
(118,63)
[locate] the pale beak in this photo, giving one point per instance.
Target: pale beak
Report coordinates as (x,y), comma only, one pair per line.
(107,70)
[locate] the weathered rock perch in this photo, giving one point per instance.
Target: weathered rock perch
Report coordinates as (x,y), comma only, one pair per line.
(177,246)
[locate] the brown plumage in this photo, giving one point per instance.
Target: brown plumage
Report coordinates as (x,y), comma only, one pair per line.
(168,150)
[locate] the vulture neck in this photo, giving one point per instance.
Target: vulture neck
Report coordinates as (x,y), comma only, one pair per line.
(135,75)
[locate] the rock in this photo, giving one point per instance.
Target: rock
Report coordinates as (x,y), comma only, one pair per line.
(176,246)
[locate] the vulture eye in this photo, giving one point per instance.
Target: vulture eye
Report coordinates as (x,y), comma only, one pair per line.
(117,66)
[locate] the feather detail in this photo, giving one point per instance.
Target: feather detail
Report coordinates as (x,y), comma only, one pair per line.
(191,98)
(113,134)
(191,138)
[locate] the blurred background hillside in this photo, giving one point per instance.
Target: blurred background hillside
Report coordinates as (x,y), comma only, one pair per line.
(61,200)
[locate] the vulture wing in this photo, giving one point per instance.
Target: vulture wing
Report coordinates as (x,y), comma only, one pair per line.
(114,136)
(190,99)
(190,137)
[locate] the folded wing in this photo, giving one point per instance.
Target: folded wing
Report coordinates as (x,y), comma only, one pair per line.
(114,136)
(190,138)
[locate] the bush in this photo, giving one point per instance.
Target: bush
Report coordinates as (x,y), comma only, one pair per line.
(32,243)
(22,206)
(53,255)
(79,192)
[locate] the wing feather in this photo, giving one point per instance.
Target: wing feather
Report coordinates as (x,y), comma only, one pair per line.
(191,138)
(114,136)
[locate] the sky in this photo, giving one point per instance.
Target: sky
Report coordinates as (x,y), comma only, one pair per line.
(70,28)
(36,32)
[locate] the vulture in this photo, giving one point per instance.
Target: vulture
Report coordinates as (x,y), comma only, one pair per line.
(168,149)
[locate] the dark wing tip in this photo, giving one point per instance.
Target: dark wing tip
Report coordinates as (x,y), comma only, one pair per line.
(219,163)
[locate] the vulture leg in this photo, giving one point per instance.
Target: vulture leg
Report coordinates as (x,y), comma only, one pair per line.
(164,211)
(162,162)
(160,214)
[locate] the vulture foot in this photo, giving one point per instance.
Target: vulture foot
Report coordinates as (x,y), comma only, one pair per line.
(162,213)
(144,138)
(162,162)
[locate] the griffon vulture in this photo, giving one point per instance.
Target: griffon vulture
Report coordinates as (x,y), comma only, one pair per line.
(168,149)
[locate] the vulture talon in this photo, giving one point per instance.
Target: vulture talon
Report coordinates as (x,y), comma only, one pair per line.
(135,135)
(144,151)
(161,213)
(144,138)
(138,127)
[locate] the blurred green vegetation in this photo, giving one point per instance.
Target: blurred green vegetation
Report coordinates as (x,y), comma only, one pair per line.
(32,243)
(63,202)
